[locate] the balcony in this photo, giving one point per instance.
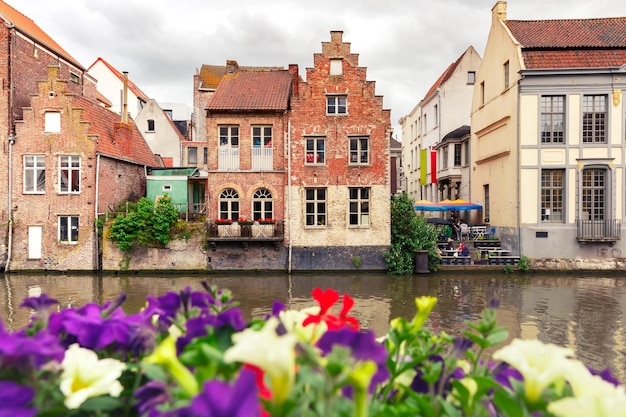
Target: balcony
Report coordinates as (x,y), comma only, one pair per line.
(598,231)
(245,233)
(228,159)
(262,159)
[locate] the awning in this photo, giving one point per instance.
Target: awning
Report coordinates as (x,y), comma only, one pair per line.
(425,205)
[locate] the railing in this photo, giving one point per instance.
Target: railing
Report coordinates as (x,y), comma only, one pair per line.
(245,232)
(228,159)
(262,159)
(607,230)
(190,210)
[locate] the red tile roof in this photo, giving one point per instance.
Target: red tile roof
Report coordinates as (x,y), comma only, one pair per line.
(29,28)
(252,90)
(571,43)
(211,75)
(125,143)
(131,85)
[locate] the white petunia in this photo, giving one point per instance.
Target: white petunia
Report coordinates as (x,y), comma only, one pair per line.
(540,364)
(85,376)
(267,350)
(293,319)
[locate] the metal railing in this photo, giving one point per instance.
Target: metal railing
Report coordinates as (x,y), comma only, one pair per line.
(262,159)
(228,159)
(607,230)
(245,232)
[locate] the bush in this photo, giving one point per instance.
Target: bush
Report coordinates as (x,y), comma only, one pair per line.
(409,234)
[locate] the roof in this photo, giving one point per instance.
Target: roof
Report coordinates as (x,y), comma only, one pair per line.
(252,90)
(131,85)
(571,43)
(169,172)
(211,75)
(103,123)
(30,29)
(457,133)
(445,76)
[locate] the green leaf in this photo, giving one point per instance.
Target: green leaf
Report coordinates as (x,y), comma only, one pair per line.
(507,405)
(497,336)
(104,403)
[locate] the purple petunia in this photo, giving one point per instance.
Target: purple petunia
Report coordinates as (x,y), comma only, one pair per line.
(25,352)
(421,386)
(15,400)
(219,399)
(363,346)
(151,395)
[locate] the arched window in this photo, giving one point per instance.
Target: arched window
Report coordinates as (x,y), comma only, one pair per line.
(229,204)
(262,204)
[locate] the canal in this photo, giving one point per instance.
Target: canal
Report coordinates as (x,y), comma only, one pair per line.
(582,311)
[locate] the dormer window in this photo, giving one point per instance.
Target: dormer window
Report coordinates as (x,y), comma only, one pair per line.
(336,66)
(52,122)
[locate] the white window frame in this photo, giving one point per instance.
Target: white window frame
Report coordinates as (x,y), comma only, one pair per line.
(359,206)
(262,204)
(337,105)
(336,66)
(316,207)
(70,234)
(314,154)
(229,204)
(34,166)
(52,122)
(73,169)
(359,151)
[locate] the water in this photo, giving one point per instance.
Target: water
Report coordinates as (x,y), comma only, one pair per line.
(585,312)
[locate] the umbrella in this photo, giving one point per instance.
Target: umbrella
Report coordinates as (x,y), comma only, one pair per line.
(425,205)
(459,205)
(437,220)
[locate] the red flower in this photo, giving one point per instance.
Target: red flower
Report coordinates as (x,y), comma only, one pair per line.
(326,300)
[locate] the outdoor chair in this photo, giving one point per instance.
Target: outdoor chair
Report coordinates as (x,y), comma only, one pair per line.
(464,231)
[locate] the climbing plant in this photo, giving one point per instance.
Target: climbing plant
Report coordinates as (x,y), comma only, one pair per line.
(409,233)
(148,224)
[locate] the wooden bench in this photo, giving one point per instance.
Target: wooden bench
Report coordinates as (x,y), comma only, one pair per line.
(503,260)
(456,260)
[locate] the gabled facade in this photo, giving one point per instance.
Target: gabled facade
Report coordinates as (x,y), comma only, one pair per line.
(71,159)
(111,84)
(160,133)
(436,169)
(548,135)
(339,163)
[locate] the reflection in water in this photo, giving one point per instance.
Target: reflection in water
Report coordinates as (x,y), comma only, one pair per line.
(583,312)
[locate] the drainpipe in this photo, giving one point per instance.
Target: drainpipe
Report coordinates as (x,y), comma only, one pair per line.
(289,195)
(95,217)
(518,169)
(125,99)
(10,203)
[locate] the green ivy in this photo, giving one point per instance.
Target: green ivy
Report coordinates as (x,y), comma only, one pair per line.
(147,225)
(409,233)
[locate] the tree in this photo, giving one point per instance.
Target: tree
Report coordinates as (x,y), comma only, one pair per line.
(409,234)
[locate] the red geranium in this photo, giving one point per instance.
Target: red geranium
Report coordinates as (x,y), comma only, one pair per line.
(326,300)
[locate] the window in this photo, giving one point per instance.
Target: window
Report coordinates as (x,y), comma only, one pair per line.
(425,124)
(552,119)
(315,206)
(262,136)
(593,194)
(436,111)
(68,229)
(34,174)
(466,145)
(229,136)
(167,187)
(192,156)
(315,151)
(457,154)
(169,114)
(75,78)
(205,155)
(552,189)
(336,105)
(336,66)
(262,204)
(471,77)
(150,125)
(359,151)
(594,119)
(444,157)
(229,204)
(486,210)
(69,174)
(506,74)
(482,93)
(52,122)
(359,206)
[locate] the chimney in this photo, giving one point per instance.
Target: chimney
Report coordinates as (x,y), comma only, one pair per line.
(232,66)
(498,12)
(125,99)
(295,78)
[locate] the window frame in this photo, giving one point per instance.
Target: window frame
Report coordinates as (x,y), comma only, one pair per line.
(359,203)
(260,138)
(592,135)
(552,195)
(228,136)
(262,204)
(52,122)
(192,151)
(590,195)
(549,116)
(471,77)
(313,154)
(334,105)
(336,67)
(457,157)
(69,234)
(73,182)
(356,151)
(228,204)
(37,170)
(316,207)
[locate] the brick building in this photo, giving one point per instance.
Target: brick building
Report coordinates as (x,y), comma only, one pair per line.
(71,160)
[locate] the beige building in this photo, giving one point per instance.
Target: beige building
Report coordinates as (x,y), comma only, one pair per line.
(435,157)
(548,141)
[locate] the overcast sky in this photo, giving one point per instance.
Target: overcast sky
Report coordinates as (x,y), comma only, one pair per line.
(405,44)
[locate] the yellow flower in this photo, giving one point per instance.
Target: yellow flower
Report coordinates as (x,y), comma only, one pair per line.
(272,353)
(540,364)
(165,354)
(85,376)
(425,305)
